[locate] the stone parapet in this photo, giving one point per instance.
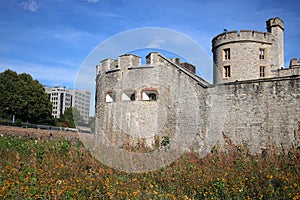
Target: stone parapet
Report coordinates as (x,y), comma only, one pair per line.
(242,36)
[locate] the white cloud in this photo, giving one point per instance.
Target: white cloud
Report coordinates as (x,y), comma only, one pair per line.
(30,5)
(72,35)
(156,43)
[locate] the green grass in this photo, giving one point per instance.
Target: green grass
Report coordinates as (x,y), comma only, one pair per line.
(60,169)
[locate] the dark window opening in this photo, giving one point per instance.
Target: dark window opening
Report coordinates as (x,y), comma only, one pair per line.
(128,96)
(132,97)
(149,95)
(152,97)
(261,54)
(227,54)
(262,71)
(227,72)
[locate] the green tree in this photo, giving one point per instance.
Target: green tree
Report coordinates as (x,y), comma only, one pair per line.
(24,97)
(71,118)
(92,123)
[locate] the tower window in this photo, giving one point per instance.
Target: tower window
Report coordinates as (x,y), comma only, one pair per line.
(261,54)
(226,53)
(149,95)
(110,97)
(128,96)
(227,72)
(152,96)
(262,71)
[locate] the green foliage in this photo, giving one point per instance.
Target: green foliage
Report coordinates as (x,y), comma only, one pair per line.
(23,97)
(71,118)
(92,123)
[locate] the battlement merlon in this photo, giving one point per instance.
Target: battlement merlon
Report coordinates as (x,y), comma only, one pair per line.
(294,62)
(128,60)
(123,63)
(242,36)
(274,22)
(106,64)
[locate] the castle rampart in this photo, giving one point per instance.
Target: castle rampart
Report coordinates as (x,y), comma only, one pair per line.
(242,36)
(258,112)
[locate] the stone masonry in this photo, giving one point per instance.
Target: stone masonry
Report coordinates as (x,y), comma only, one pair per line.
(165,98)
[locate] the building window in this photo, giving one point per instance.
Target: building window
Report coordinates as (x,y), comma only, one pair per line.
(226,53)
(227,72)
(128,96)
(262,71)
(149,95)
(261,54)
(110,97)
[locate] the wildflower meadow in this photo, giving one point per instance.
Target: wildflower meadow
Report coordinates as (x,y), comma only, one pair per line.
(64,169)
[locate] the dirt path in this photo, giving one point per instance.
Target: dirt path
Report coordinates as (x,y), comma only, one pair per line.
(36,133)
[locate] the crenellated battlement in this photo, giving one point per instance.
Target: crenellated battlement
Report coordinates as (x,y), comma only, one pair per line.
(106,64)
(294,62)
(241,36)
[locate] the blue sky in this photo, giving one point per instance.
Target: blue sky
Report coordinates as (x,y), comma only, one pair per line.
(50,39)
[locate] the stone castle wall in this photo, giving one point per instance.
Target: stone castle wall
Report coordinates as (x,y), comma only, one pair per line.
(258,112)
(171,114)
(195,115)
(255,112)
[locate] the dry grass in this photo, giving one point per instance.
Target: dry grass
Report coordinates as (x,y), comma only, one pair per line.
(62,169)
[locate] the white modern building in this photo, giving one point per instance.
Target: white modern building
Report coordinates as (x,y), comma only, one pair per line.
(62,98)
(81,101)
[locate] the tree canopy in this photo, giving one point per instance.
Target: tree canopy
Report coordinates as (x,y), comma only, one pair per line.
(23,97)
(71,118)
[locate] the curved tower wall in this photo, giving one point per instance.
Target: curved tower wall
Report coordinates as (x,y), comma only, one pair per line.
(242,55)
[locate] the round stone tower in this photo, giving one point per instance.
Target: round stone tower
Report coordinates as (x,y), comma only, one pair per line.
(248,54)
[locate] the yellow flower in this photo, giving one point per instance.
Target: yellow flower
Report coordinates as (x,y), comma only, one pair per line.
(135,193)
(186,197)
(295,185)
(269,176)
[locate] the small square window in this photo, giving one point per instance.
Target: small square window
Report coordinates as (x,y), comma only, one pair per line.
(128,96)
(262,71)
(227,72)
(226,53)
(110,97)
(149,95)
(261,54)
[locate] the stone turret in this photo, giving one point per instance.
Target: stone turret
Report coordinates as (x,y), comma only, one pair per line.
(248,54)
(275,26)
